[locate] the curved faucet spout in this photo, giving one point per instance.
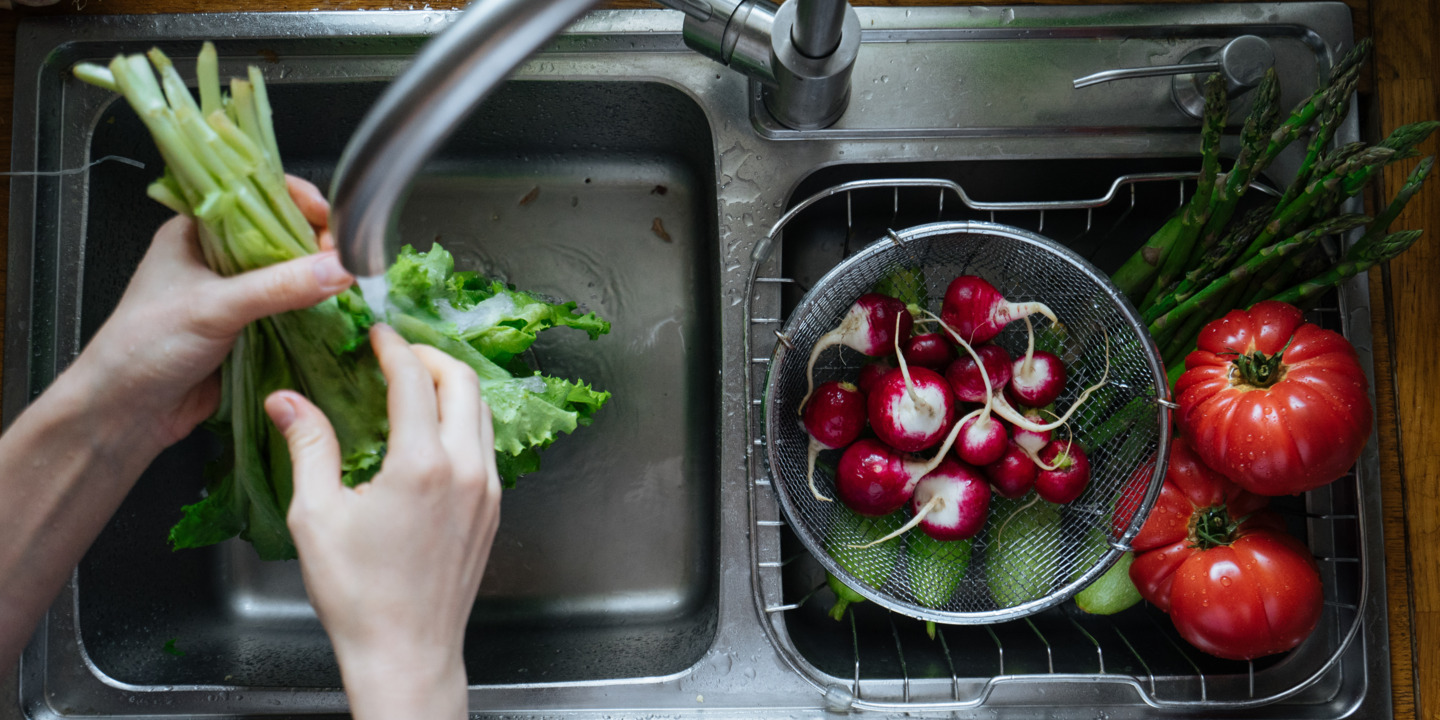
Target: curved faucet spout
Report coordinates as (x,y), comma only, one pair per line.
(806,87)
(450,76)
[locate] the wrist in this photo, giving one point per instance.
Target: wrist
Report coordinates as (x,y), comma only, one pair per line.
(395,683)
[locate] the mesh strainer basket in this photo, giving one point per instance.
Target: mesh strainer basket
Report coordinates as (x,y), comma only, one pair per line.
(1050,552)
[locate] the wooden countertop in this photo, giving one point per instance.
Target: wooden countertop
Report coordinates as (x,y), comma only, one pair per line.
(1401,88)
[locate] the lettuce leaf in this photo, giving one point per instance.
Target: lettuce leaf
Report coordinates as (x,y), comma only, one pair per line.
(487,325)
(499,321)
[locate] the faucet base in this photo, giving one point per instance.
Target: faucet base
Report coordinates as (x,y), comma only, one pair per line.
(810,93)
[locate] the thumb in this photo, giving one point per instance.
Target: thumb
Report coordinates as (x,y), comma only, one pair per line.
(290,285)
(314,451)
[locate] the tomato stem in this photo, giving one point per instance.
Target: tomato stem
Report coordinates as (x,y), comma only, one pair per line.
(1213,527)
(1259,370)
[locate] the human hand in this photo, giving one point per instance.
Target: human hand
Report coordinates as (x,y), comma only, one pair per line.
(157,356)
(393,566)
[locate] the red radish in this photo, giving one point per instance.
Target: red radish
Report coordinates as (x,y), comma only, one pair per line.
(1039,377)
(911,411)
(951,502)
(978,312)
(873,325)
(874,479)
(1032,442)
(996,399)
(929,350)
(982,438)
(871,373)
(834,417)
(1014,473)
(911,416)
(1070,475)
(966,379)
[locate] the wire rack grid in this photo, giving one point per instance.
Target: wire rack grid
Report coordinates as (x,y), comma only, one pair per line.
(1139,654)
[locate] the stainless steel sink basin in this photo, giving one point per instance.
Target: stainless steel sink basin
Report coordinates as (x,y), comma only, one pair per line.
(511,196)
(647,569)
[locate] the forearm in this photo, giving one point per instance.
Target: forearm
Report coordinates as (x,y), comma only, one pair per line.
(65,465)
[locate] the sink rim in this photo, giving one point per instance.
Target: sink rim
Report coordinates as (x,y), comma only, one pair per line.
(745,625)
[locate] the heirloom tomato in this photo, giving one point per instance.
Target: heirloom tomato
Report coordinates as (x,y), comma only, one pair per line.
(1235,584)
(1274,403)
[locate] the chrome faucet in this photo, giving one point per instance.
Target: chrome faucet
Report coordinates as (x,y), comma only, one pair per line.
(802,53)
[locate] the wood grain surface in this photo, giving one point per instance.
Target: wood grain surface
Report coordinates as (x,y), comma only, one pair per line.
(1405,295)
(1405,91)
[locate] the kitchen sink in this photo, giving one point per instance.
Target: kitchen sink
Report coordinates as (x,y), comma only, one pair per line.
(647,568)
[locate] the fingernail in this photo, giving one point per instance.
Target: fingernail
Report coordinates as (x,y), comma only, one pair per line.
(282,413)
(330,273)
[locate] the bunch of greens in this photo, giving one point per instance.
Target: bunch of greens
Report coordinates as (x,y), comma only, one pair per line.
(223,169)
(1209,258)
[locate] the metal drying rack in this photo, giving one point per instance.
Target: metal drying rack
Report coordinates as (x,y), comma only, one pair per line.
(1332,516)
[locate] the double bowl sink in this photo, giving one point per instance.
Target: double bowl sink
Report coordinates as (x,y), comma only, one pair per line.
(646,568)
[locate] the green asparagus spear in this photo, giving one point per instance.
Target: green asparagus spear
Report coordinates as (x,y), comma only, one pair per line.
(1259,126)
(1139,271)
(1381,225)
(1352,170)
(1197,211)
(1182,339)
(1226,283)
(1378,251)
(1213,262)
(1337,89)
(1323,205)
(1289,269)
(1298,210)
(1331,115)
(1402,142)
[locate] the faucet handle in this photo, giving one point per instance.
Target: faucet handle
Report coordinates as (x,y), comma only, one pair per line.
(1242,62)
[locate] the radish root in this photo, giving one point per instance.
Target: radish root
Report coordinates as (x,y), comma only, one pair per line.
(1015,311)
(1029,347)
(1018,510)
(815,448)
(936,503)
(905,368)
(989,389)
(830,339)
(1005,410)
(1035,456)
